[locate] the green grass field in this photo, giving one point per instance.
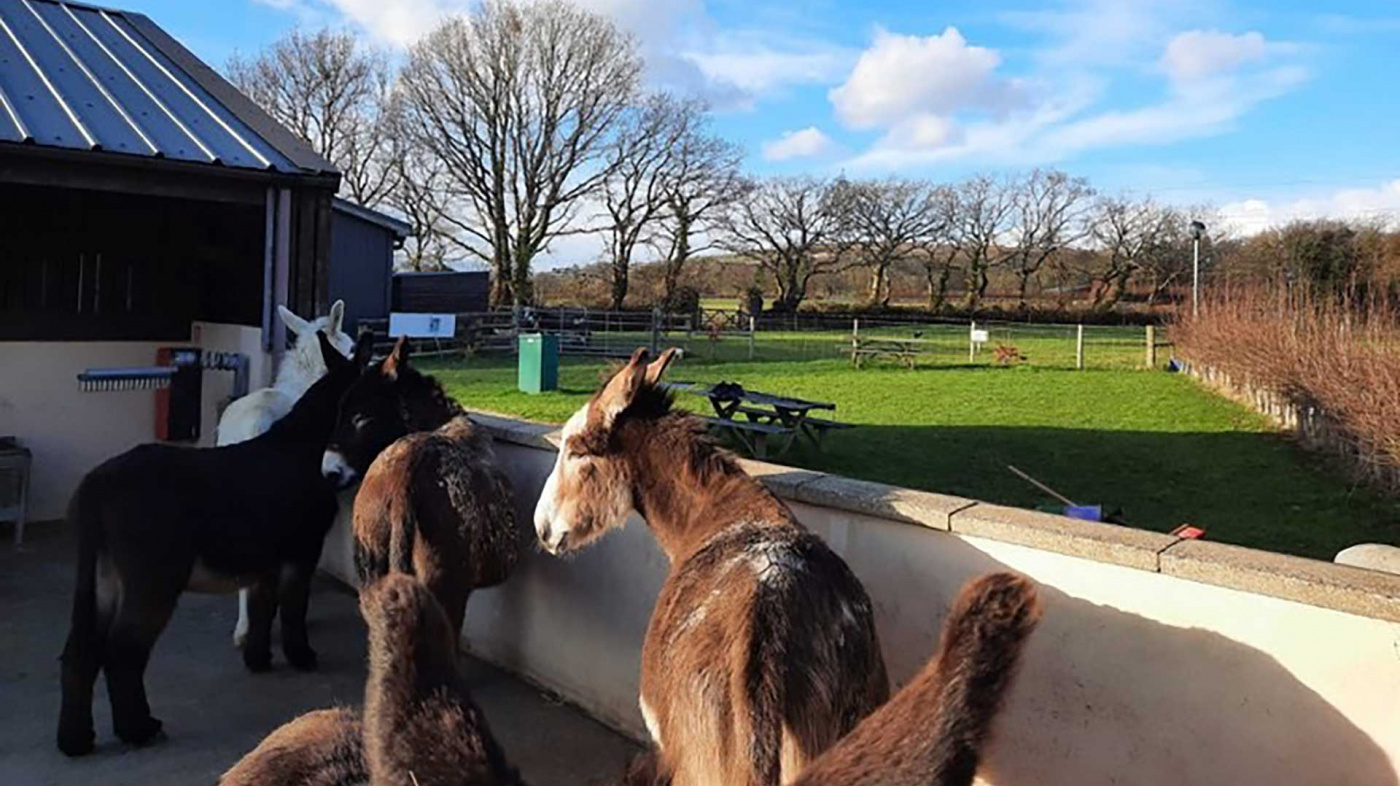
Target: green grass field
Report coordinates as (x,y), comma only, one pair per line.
(1155,444)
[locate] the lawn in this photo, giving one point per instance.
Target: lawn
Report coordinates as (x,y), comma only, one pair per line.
(1155,444)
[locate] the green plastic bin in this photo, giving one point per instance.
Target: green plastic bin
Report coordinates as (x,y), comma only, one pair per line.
(539,362)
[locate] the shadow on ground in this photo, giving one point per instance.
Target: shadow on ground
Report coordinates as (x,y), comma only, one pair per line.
(1249,489)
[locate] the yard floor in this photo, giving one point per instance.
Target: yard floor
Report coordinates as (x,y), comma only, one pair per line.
(1157,445)
(215,711)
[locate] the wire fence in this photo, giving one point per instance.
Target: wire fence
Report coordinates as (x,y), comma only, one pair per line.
(729,336)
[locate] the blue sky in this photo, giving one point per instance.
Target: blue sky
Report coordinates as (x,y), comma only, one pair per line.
(1267,110)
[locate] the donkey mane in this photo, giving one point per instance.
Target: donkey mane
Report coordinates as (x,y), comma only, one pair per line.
(682,433)
(424,402)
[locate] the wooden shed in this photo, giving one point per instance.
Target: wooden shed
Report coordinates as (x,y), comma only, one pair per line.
(144,202)
(363,242)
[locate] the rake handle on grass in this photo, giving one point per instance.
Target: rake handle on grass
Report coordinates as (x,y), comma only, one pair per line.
(1057,495)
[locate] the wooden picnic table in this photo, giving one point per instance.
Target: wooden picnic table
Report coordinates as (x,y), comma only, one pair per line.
(765,415)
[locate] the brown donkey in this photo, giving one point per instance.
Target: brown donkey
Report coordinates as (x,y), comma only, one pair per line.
(433,502)
(420,725)
(761,652)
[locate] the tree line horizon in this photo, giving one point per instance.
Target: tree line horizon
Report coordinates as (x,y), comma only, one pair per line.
(510,127)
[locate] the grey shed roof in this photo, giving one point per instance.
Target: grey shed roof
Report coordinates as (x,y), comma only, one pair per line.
(80,77)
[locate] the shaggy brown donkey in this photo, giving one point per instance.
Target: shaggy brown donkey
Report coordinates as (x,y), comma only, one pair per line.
(159,520)
(420,726)
(321,748)
(761,652)
(433,502)
(933,731)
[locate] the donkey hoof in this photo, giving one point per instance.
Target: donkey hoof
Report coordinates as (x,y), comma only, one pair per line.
(142,732)
(257,662)
(76,743)
(302,659)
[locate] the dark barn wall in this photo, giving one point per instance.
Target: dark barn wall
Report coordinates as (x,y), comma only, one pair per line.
(362,258)
(79,264)
(441,293)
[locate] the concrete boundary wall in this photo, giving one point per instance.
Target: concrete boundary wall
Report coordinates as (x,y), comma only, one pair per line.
(1160,661)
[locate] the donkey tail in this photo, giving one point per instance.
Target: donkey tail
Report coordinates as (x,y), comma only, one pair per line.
(83,520)
(934,729)
(82,654)
(403,531)
(765,688)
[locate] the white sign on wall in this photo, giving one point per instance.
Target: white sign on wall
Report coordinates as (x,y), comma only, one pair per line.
(422,325)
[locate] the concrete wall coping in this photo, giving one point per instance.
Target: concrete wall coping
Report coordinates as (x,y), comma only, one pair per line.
(1343,588)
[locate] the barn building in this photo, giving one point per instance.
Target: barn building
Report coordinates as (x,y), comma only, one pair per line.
(146,203)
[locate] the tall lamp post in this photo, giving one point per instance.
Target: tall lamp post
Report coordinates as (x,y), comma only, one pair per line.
(1197,229)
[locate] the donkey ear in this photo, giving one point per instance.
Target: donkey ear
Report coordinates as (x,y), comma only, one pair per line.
(658,366)
(337,318)
(364,347)
(620,391)
(293,322)
(397,360)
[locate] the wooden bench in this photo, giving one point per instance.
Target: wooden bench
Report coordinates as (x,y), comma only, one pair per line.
(906,351)
(753,435)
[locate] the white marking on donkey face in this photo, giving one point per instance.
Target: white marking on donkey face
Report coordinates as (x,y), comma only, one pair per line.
(583,497)
(335,467)
(649,718)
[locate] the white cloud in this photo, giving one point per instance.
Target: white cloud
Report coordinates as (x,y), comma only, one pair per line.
(902,76)
(1197,54)
(1249,216)
(807,143)
(755,67)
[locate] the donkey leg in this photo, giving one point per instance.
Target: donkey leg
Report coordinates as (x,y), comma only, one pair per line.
(240,630)
(81,660)
(143,614)
(294,597)
(262,607)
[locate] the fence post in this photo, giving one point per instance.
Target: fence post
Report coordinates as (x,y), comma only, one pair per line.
(855,340)
(751,335)
(655,329)
(1151,346)
(1079,347)
(971,344)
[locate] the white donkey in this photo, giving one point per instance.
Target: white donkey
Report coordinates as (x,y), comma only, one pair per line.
(254,414)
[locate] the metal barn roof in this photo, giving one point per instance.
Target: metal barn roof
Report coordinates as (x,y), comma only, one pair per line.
(81,77)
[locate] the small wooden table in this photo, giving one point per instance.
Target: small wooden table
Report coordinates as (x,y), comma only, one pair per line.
(765,415)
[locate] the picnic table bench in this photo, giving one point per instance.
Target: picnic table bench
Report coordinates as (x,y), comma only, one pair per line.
(765,415)
(904,350)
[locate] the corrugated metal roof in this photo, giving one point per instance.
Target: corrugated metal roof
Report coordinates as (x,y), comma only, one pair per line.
(82,77)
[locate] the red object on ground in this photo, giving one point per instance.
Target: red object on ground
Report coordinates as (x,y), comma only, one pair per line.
(1189,532)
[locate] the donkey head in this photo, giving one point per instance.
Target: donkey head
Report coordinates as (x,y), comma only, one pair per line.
(304,358)
(590,490)
(373,414)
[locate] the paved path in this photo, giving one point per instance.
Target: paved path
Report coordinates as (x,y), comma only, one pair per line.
(215,711)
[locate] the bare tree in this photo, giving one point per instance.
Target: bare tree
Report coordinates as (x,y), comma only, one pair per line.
(519,103)
(1047,207)
(641,161)
(794,228)
(1126,233)
(331,89)
(983,218)
(939,251)
(702,181)
(890,220)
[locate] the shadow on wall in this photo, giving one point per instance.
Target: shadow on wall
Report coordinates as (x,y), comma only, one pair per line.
(1249,489)
(1105,697)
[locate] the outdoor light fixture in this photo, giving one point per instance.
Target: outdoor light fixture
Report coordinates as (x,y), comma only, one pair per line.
(1197,229)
